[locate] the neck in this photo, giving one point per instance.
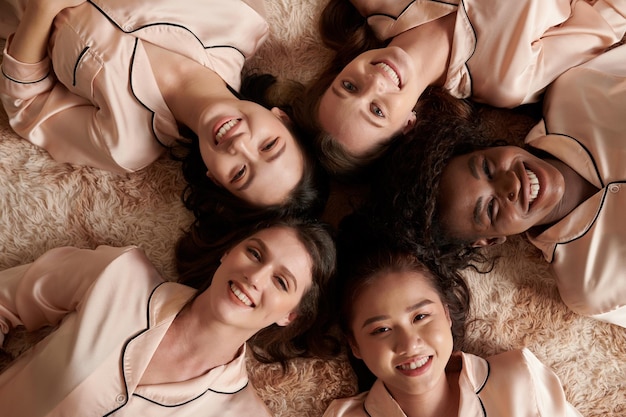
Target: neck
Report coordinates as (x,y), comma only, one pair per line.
(429,45)
(201,333)
(186,86)
(441,401)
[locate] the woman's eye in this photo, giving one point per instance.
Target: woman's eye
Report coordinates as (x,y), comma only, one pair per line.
(254,253)
(269,145)
(348,86)
(239,174)
(419,317)
(282,283)
(490,210)
(376,110)
(380,330)
(486,169)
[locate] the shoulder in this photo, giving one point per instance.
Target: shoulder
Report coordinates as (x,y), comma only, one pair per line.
(347,407)
(124,268)
(518,380)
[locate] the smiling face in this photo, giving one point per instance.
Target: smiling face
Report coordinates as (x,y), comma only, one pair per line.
(250,151)
(371,100)
(260,281)
(488,195)
(401,330)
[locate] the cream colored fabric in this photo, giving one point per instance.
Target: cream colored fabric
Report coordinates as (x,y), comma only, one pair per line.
(113,309)
(101,106)
(585,126)
(505,53)
(510,384)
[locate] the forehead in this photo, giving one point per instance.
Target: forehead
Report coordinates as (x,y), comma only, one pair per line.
(391,292)
(275,179)
(457,196)
(342,117)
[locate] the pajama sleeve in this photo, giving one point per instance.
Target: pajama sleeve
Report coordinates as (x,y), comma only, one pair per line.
(43,292)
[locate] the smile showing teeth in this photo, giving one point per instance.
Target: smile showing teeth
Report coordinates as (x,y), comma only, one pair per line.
(413,364)
(534,185)
(388,70)
(240,295)
(225,128)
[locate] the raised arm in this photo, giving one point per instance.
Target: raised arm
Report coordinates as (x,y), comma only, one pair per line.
(43,292)
(30,40)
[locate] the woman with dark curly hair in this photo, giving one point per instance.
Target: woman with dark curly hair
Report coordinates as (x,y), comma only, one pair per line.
(564,190)
(389,53)
(406,323)
(129,342)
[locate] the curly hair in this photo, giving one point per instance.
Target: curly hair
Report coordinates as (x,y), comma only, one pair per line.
(407,188)
(367,250)
(216,208)
(197,259)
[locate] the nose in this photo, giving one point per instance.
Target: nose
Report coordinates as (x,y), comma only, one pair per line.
(373,83)
(407,342)
(241,144)
(259,276)
(508,186)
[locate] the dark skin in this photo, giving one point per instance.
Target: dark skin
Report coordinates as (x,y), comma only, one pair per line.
(496,201)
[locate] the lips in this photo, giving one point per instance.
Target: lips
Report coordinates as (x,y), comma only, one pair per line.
(535,187)
(224,127)
(241,295)
(391,72)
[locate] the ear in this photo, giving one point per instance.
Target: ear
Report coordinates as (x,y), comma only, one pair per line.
(223,256)
(354,347)
(489,241)
(410,122)
(212,178)
(287,319)
(281,115)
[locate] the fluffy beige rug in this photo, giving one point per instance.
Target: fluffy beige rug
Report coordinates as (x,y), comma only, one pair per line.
(44,204)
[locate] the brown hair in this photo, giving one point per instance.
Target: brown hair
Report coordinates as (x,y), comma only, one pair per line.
(366,251)
(198,257)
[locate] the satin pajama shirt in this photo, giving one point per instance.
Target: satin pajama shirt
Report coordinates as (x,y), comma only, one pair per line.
(95,101)
(511,384)
(112,309)
(505,53)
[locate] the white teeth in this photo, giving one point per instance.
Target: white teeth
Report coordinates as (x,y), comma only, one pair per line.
(244,298)
(390,71)
(414,364)
(225,128)
(534,185)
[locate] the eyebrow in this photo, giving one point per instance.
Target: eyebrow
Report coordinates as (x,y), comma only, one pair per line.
(367,116)
(409,309)
(284,269)
(251,175)
(472,164)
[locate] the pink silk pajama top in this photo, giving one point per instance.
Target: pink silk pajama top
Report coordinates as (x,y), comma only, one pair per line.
(504,53)
(112,309)
(95,100)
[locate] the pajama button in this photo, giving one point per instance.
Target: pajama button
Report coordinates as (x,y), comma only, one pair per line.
(120,398)
(614,188)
